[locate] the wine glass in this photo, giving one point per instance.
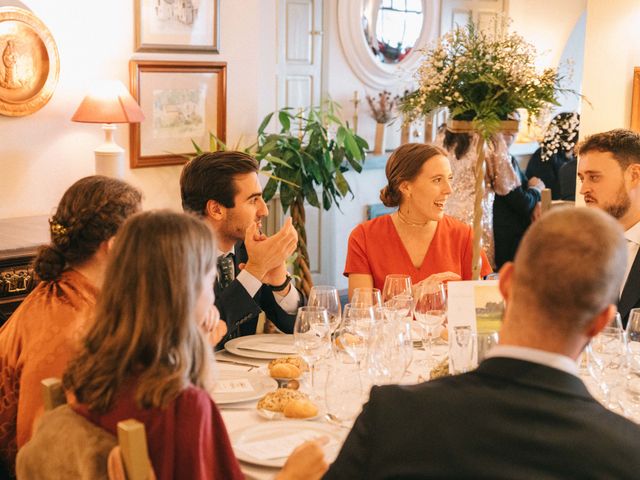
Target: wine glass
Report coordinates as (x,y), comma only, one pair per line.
(430,310)
(630,398)
(399,307)
(352,336)
(312,336)
(327,297)
(396,284)
(607,360)
(366,296)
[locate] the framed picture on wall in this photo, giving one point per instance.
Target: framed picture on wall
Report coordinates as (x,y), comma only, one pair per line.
(183,102)
(635,101)
(170,25)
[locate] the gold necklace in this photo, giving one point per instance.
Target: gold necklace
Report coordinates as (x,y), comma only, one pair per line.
(409,222)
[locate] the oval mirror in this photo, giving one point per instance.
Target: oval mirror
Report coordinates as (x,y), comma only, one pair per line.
(392,27)
(381,39)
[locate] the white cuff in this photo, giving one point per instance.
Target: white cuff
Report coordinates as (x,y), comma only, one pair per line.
(289,303)
(250,283)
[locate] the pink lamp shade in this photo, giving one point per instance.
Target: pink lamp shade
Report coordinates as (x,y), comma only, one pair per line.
(110,102)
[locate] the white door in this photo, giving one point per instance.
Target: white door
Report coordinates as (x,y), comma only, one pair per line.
(299,53)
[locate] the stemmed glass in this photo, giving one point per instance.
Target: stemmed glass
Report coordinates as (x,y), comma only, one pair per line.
(327,297)
(607,360)
(312,336)
(394,285)
(352,336)
(365,296)
(430,310)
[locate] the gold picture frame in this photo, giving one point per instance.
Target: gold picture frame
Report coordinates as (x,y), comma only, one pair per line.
(183,102)
(169,25)
(635,101)
(29,63)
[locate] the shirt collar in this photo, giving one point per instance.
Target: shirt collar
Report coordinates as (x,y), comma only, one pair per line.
(633,234)
(542,357)
(224,254)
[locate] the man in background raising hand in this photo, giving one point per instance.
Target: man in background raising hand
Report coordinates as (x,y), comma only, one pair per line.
(223,188)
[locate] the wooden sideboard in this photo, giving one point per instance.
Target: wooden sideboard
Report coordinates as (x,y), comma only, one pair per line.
(20,239)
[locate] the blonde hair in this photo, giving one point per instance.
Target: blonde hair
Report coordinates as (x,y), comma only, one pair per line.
(145,325)
(404,164)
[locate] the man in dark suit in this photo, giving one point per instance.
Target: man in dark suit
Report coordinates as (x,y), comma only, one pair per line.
(223,188)
(524,413)
(609,169)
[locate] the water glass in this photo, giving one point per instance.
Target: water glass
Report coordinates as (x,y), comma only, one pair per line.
(327,297)
(343,392)
(394,285)
(484,342)
(461,350)
(312,336)
(607,361)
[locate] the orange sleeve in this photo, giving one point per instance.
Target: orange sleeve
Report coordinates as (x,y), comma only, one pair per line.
(357,258)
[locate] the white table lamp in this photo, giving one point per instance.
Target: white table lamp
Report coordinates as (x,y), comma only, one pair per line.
(109,103)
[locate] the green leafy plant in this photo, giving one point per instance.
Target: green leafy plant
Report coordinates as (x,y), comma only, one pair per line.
(305,162)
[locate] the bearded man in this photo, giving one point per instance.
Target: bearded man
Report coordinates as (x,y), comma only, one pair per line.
(609,168)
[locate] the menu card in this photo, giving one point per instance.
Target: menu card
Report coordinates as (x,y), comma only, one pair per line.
(241,385)
(472,306)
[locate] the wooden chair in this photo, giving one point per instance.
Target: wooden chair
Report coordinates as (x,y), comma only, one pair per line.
(132,439)
(545,200)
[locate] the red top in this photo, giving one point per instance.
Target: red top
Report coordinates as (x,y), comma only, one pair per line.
(187,439)
(375,249)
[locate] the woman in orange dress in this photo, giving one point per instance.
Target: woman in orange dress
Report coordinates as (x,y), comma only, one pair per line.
(43,333)
(418,239)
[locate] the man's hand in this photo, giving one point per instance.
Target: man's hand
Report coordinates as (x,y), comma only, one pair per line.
(269,253)
(535,182)
(277,276)
(306,462)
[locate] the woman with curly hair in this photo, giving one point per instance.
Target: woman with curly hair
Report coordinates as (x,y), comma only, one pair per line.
(44,332)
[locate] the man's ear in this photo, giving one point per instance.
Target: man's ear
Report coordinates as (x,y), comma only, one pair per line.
(505,278)
(601,321)
(633,174)
(109,243)
(215,210)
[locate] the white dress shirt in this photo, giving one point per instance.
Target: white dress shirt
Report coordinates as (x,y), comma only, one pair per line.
(542,357)
(289,302)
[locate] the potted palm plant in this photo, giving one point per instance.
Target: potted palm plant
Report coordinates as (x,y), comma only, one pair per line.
(306,160)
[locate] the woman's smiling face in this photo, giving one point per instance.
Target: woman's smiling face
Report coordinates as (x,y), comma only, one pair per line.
(427,194)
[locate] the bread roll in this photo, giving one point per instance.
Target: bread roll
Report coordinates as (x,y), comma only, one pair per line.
(284,370)
(276,401)
(302,408)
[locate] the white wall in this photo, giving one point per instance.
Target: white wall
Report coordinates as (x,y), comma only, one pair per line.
(612,50)
(43,153)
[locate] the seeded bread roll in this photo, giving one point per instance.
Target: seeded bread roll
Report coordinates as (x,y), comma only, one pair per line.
(300,409)
(276,401)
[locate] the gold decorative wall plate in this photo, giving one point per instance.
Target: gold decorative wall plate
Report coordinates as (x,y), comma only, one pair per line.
(29,62)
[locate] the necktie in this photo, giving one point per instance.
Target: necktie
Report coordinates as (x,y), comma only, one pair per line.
(226,270)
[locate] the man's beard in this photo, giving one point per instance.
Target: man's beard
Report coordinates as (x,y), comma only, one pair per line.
(620,206)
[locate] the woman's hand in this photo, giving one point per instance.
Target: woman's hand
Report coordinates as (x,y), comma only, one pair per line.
(432,281)
(213,328)
(306,462)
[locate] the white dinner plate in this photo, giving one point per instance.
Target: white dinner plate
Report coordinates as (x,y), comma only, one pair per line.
(279,434)
(266,346)
(235,387)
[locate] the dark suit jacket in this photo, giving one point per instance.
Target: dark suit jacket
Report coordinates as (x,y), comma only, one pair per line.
(630,297)
(547,171)
(512,217)
(507,419)
(240,311)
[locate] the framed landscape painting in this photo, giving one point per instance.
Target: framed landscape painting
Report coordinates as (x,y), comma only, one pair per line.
(183,102)
(174,25)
